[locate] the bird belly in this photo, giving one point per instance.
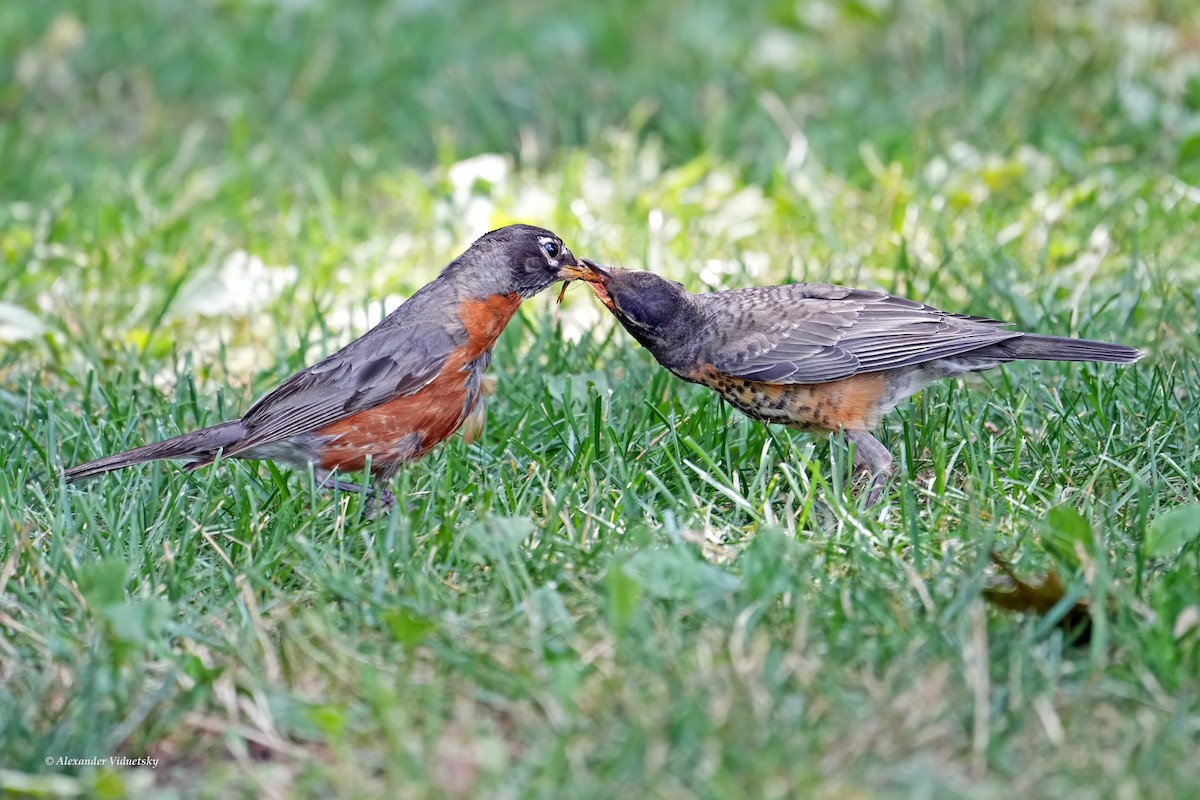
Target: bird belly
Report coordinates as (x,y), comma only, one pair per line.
(403,429)
(854,403)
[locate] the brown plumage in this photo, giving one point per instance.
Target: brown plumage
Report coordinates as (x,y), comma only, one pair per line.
(395,392)
(817,357)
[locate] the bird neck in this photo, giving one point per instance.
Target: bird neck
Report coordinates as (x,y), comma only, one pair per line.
(674,341)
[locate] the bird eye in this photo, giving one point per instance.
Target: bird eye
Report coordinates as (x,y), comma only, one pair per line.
(550,248)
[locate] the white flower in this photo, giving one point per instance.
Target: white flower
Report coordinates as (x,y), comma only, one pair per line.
(242,283)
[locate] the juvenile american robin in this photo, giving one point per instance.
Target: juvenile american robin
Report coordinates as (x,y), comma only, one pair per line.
(389,396)
(817,357)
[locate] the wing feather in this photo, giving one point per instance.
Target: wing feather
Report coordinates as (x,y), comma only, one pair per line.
(399,357)
(816,333)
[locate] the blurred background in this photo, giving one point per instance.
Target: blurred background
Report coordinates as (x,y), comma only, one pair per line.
(376,85)
(143,145)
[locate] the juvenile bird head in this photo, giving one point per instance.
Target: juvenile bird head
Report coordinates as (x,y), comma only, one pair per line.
(516,258)
(659,313)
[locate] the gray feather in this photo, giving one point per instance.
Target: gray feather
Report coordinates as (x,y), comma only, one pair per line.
(816,333)
(1040,347)
(201,445)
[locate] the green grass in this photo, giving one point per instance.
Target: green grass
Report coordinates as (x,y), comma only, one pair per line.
(624,588)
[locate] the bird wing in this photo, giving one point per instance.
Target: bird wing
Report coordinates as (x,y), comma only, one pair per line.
(398,357)
(815,333)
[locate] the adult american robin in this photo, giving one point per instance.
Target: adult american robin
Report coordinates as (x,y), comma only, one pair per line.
(817,357)
(389,396)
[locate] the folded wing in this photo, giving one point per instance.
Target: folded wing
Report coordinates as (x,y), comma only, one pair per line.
(399,357)
(816,333)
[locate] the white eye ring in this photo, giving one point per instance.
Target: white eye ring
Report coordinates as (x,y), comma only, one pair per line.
(550,247)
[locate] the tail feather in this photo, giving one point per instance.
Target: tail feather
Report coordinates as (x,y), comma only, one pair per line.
(1039,347)
(201,445)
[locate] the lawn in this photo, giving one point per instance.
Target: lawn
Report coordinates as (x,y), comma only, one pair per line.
(624,588)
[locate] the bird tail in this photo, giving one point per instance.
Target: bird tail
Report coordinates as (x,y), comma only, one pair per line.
(198,446)
(1039,347)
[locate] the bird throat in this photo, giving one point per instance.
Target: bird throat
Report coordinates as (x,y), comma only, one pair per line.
(485,319)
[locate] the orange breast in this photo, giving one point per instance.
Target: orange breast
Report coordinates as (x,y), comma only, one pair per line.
(485,320)
(406,428)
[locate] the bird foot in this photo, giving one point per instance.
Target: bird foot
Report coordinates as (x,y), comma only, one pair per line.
(380,503)
(875,492)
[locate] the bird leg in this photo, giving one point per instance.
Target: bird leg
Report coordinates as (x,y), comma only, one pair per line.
(382,499)
(330,482)
(379,498)
(872,459)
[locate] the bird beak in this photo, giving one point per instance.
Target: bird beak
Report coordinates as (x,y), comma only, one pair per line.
(591,273)
(594,273)
(597,278)
(571,273)
(585,270)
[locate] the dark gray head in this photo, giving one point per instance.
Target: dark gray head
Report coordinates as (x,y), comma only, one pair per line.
(662,315)
(518,258)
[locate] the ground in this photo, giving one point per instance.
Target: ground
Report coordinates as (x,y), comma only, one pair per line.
(624,587)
